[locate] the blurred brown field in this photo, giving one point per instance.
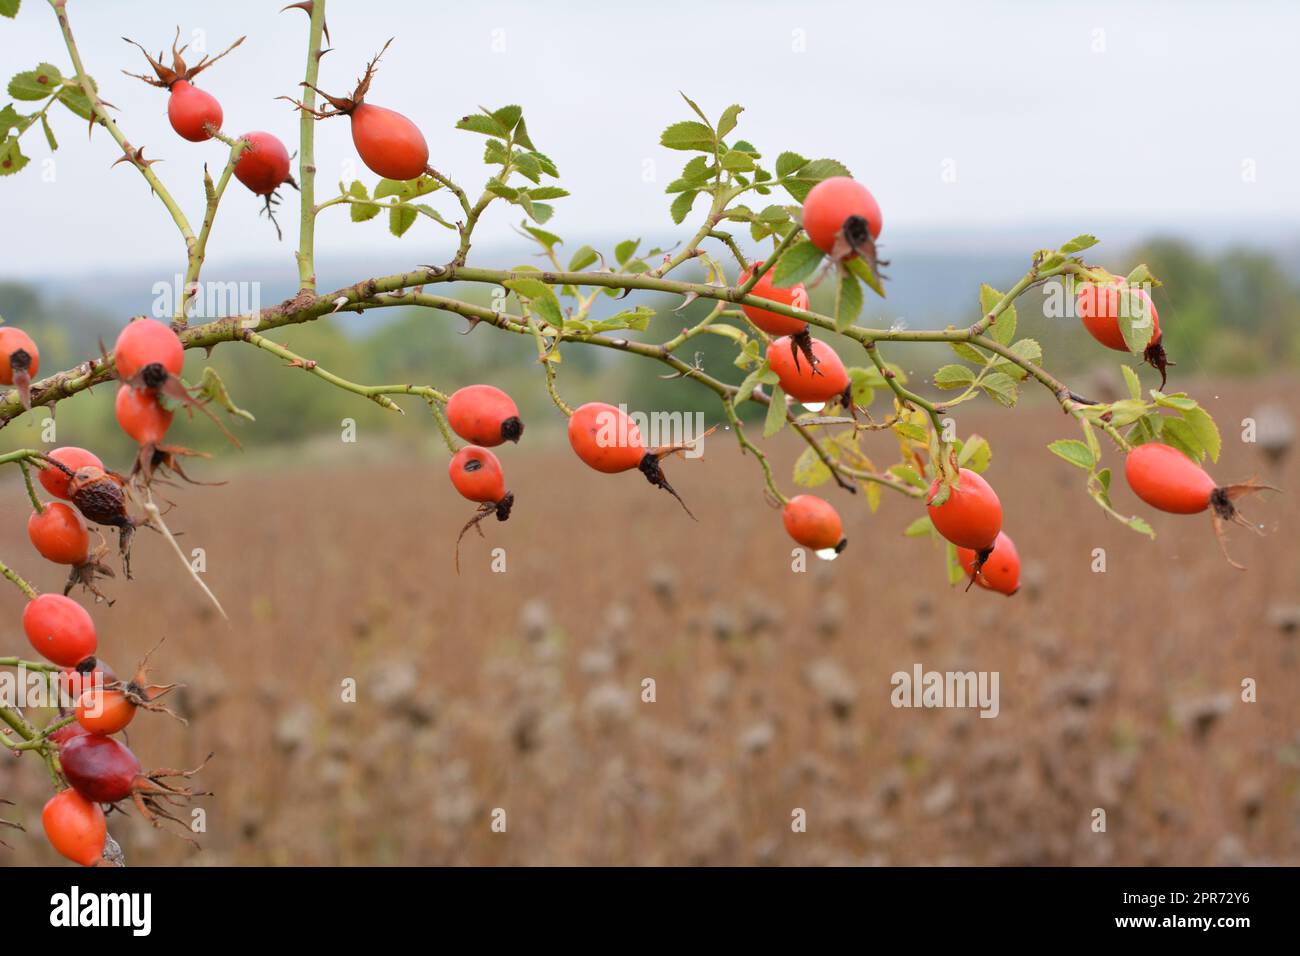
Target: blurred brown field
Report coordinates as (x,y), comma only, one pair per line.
(522,690)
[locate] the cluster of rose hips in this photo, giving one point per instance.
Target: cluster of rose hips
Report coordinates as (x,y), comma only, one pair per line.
(196,115)
(604,437)
(100,769)
(148,358)
(388,143)
(843,219)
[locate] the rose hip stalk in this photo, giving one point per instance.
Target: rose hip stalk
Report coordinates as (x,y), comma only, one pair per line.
(194,114)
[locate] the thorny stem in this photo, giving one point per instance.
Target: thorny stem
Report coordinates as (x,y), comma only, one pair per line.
(18,581)
(31,489)
(544,356)
(101,114)
(32,740)
(905,396)
(199,249)
(29,665)
(307,156)
(373,392)
(444,426)
(399,289)
(749,446)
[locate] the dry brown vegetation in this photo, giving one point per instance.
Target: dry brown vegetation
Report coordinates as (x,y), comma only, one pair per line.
(522,690)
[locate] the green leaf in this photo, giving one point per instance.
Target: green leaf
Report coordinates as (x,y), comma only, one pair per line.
(737,162)
(911,431)
(544,161)
(956,573)
(625,250)
(799,183)
(528,167)
(953,376)
(796,264)
(400,218)
(727,122)
(12,119)
(11,157)
(863,383)
(968,352)
(1075,452)
(867,274)
(940,496)
(548,240)
(975,454)
(1135,322)
(809,470)
(788,163)
(49,133)
(1133,382)
(407,189)
(540,297)
(76,100)
(583,258)
(1207,433)
(1178,400)
(1140,526)
(761,375)
(920,527)
(1078,244)
(635,318)
(848,300)
(908,474)
(38,84)
(1003,329)
(1179,434)
(432,213)
(1027,350)
(1126,411)
(547,192)
(688,135)
(1141,275)
(681,207)
(497,188)
(522,138)
(361,212)
(776,413)
(483,123)
(9,8)
(1000,387)
(508,116)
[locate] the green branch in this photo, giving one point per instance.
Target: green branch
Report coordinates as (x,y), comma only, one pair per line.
(307,155)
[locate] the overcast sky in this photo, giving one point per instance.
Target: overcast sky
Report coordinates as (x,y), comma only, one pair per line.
(970,117)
